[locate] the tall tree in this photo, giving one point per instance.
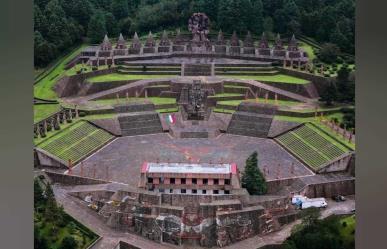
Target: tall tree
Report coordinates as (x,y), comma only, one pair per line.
(97,27)
(252,177)
(120,9)
(257,13)
(111,24)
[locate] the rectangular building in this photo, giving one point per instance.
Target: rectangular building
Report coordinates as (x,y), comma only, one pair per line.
(190,178)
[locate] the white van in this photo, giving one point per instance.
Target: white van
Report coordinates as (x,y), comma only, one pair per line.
(315,202)
(298,198)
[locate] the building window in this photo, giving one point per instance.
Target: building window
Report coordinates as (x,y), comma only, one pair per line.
(216,181)
(182,180)
(194,181)
(205,181)
(227,192)
(227,181)
(204,191)
(183,191)
(194,191)
(171,191)
(150,180)
(216,191)
(172,181)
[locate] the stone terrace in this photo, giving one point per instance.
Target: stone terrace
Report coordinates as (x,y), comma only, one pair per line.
(121,160)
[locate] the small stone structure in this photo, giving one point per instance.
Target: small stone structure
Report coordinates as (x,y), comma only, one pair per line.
(135,47)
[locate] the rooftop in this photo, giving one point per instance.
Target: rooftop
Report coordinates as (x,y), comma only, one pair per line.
(190,168)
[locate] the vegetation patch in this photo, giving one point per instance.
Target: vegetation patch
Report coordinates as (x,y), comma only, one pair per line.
(76,142)
(53,228)
(119,77)
(44,86)
(269,101)
(43,111)
(279,78)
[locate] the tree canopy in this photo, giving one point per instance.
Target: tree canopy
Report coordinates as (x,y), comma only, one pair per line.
(252,177)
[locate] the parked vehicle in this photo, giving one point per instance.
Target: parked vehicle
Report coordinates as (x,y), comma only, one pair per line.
(338,198)
(315,202)
(296,199)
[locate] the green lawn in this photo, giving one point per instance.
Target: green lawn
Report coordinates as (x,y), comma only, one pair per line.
(308,49)
(43,89)
(280,78)
(347,232)
(226,95)
(87,69)
(269,101)
(154,100)
(118,77)
(43,111)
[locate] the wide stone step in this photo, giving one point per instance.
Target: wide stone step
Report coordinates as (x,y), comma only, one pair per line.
(250,125)
(149,68)
(247,132)
(151,64)
(245,69)
(142,131)
(140,123)
(246,73)
(149,72)
(252,118)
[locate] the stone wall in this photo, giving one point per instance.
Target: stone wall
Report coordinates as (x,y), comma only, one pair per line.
(72,179)
(45,159)
(329,189)
(73,85)
(319,82)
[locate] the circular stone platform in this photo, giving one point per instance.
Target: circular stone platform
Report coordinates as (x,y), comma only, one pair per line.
(122,159)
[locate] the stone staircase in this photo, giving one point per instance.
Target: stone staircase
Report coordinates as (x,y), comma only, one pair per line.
(150,68)
(245,69)
(138,119)
(251,120)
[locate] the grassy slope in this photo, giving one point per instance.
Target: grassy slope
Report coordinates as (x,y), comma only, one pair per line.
(154,100)
(320,125)
(43,111)
(346,232)
(43,89)
(117,77)
(280,78)
(269,101)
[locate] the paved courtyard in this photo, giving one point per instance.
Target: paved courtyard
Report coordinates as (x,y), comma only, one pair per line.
(121,160)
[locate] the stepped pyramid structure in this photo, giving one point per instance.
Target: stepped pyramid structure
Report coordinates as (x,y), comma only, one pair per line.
(235,44)
(278,49)
(121,43)
(164,43)
(138,119)
(106,44)
(293,50)
(252,119)
(135,47)
(248,44)
(263,47)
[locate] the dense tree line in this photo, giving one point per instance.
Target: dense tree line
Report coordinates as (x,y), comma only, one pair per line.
(318,234)
(59,24)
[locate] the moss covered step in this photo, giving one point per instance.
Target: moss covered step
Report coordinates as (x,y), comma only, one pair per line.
(76,142)
(149,68)
(242,73)
(120,71)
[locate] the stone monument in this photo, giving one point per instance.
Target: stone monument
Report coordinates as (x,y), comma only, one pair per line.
(198,25)
(193,100)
